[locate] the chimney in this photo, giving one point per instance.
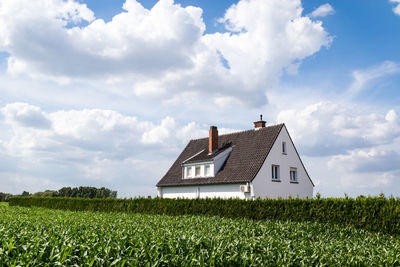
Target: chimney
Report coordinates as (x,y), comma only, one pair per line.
(213,139)
(259,124)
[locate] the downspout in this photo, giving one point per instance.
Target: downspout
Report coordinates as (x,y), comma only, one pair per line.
(251,190)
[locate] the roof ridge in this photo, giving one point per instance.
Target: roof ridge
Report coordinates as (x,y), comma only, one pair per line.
(238,132)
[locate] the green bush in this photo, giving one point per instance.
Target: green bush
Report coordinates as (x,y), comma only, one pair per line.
(376,214)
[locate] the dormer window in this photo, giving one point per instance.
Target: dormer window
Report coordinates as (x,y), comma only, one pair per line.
(197,171)
(284,148)
(207,170)
(188,171)
(204,164)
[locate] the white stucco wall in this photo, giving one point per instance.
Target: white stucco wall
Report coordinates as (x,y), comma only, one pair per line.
(263,186)
(210,191)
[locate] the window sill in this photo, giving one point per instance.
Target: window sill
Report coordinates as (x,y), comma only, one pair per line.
(275,180)
(294,182)
(197,177)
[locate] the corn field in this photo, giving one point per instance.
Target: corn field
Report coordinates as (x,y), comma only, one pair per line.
(38,236)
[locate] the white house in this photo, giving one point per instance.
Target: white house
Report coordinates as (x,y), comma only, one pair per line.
(262,162)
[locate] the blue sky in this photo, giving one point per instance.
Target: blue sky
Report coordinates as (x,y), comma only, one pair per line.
(107,93)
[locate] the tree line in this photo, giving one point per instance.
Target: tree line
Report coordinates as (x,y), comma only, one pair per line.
(81,192)
(87,192)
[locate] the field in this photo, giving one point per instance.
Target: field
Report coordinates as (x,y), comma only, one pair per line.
(37,235)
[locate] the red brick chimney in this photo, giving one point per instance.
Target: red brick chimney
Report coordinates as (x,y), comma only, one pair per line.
(213,139)
(260,123)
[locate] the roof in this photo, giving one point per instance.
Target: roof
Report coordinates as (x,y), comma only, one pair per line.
(250,149)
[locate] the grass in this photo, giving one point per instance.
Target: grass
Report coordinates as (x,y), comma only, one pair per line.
(3,204)
(37,236)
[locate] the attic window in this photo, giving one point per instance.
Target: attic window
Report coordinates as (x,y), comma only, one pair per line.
(284,148)
(197,171)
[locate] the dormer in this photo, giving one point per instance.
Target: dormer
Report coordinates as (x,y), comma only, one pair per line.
(207,162)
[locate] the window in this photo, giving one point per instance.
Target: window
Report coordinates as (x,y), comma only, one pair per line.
(275,172)
(293,174)
(197,171)
(283,147)
(188,171)
(207,170)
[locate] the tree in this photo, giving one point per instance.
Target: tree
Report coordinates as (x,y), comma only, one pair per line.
(47,193)
(4,197)
(25,194)
(87,192)
(65,192)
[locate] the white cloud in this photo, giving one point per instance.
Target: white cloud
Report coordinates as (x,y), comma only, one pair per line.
(163,51)
(90,146)
(369,169)
(322,11)
(327,128)
(16,183)
(138,40)
(367,183)
(106,132)
(25,115)
(363,78)
(396,9)
(264,37)
(379,159)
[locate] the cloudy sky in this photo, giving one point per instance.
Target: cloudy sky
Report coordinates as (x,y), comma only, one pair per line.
(107,93)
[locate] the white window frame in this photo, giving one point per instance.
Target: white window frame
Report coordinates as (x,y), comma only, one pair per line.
(284,148)
(198,167)
(189,171)
(275,172)
(205,170)
(293,175)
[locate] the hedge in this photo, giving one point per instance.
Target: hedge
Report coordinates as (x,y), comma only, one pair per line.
(377,214)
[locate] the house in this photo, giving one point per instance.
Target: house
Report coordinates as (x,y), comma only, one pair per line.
(262,162)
